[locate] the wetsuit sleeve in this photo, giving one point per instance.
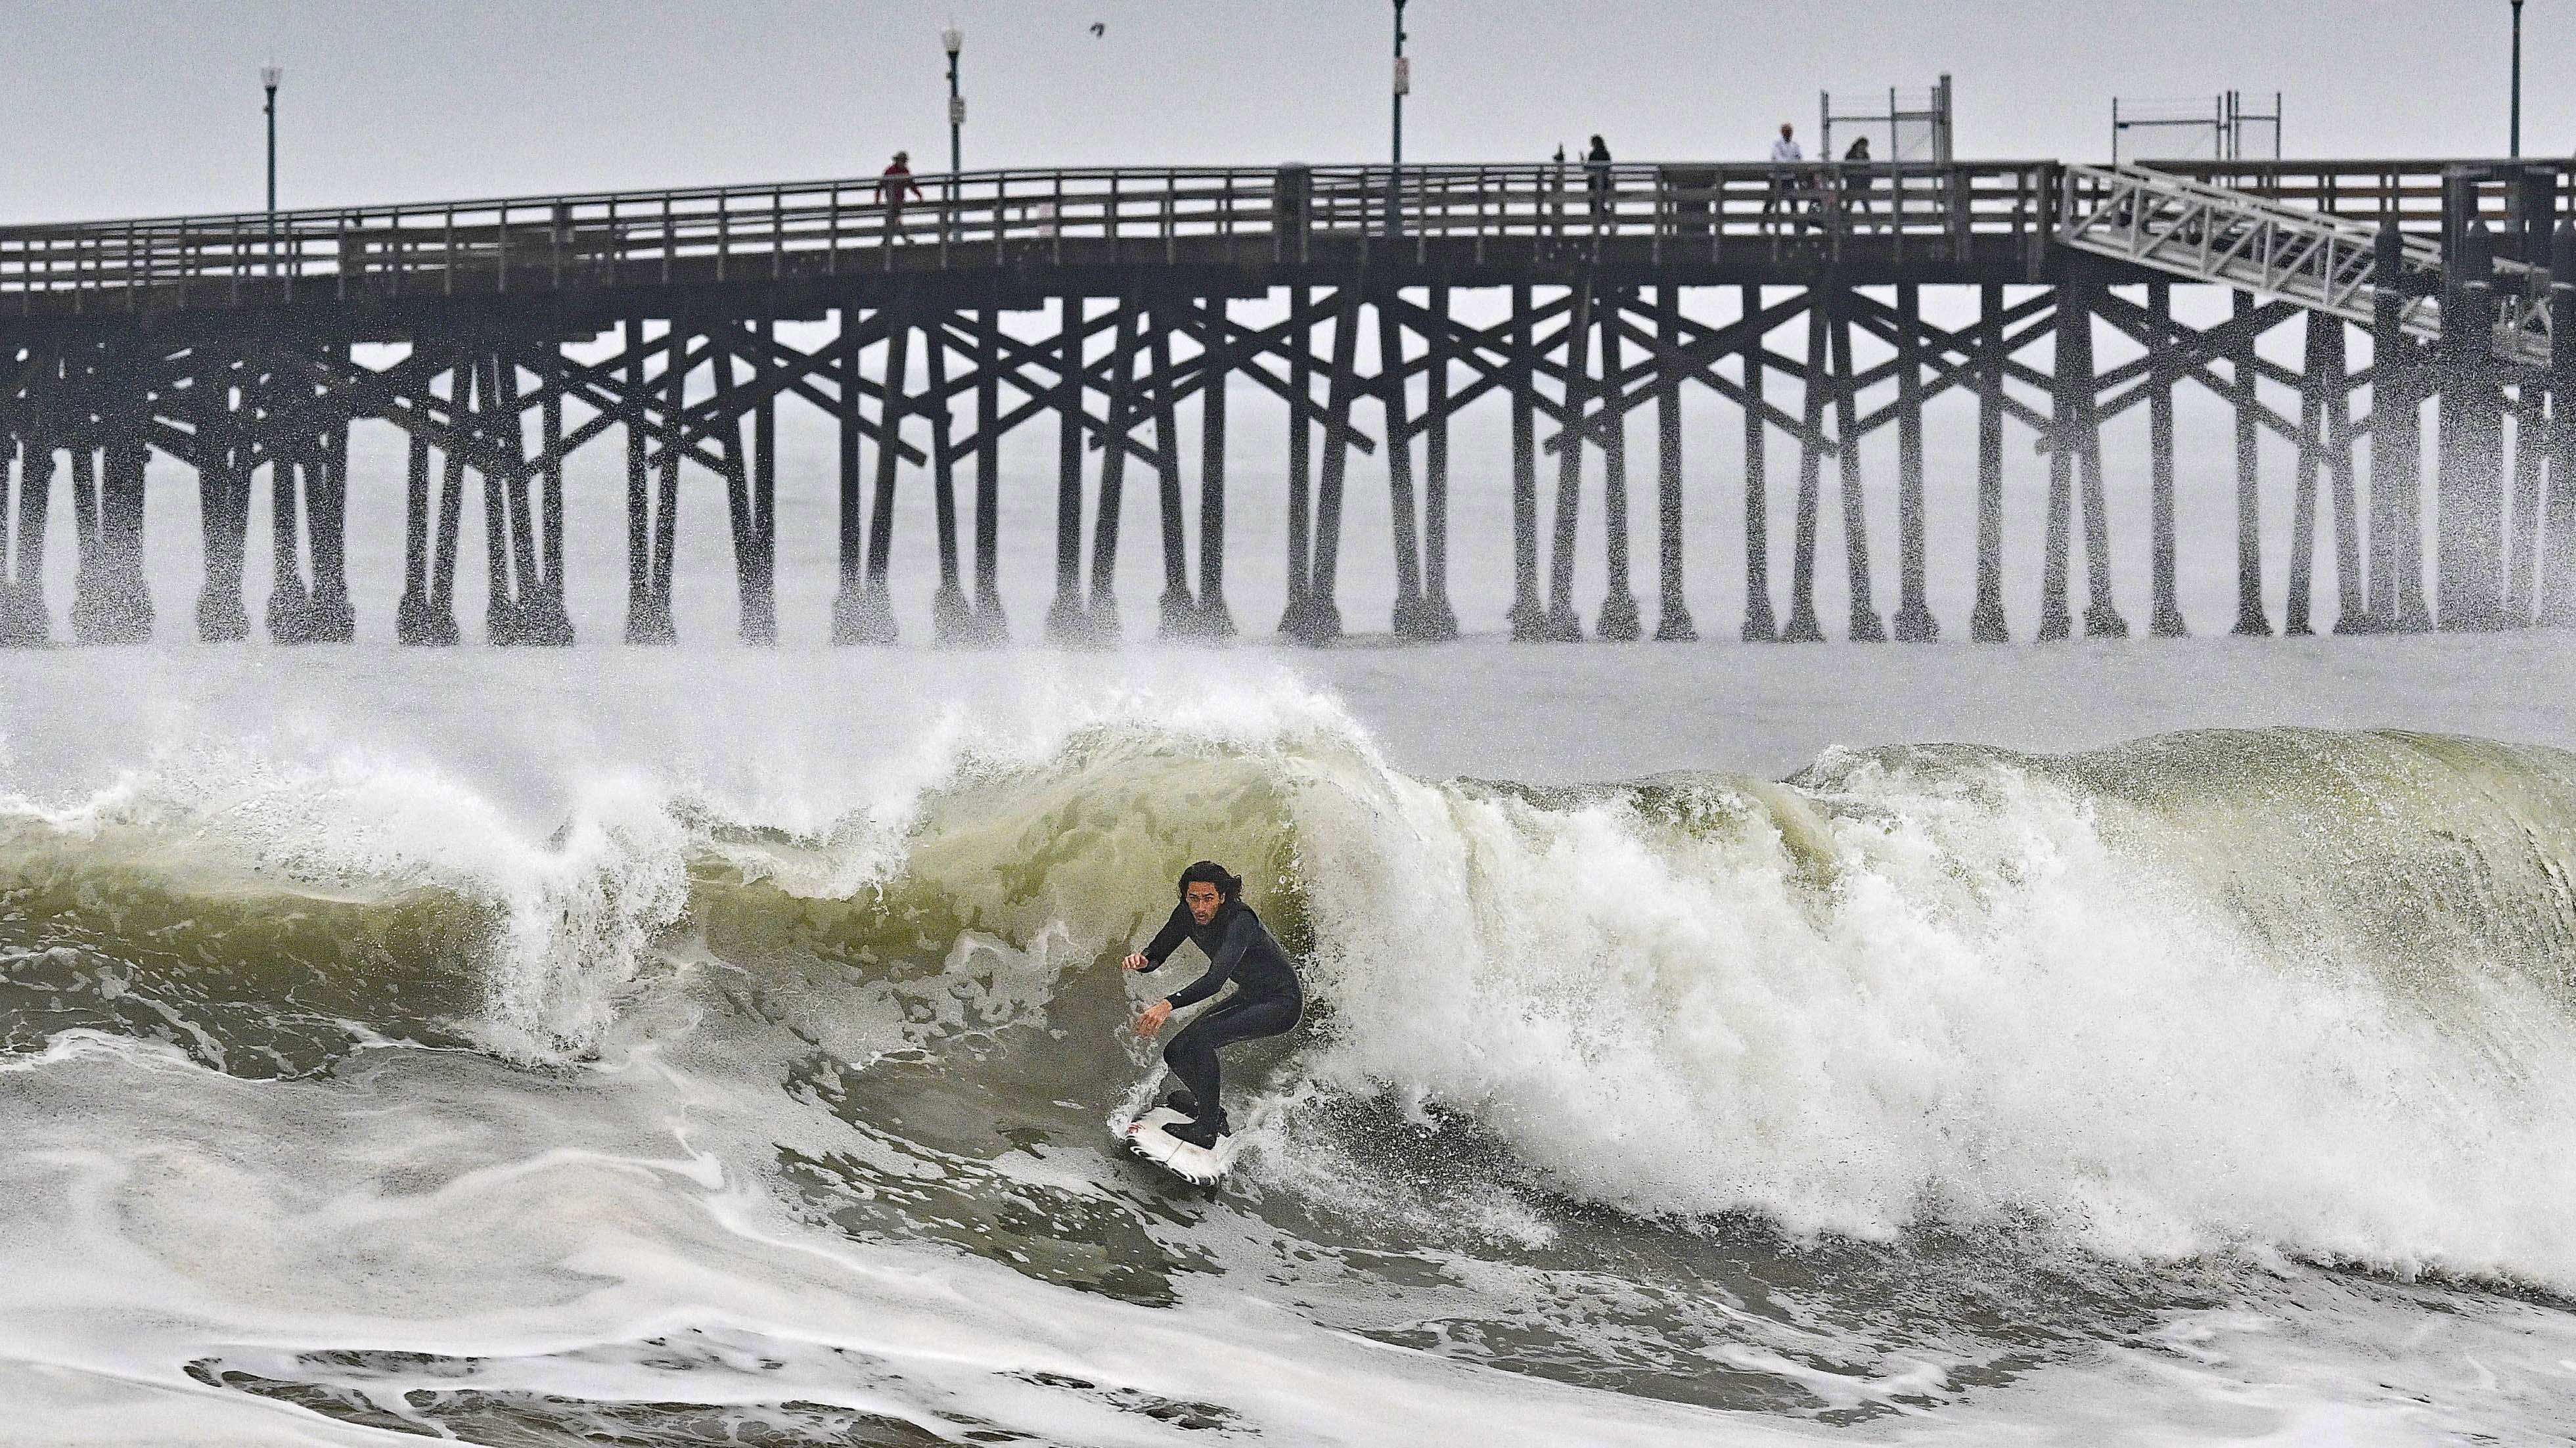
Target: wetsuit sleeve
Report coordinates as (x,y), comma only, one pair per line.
(1169,938)
(1238,938)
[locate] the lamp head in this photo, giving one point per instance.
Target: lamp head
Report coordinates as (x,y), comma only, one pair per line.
(270,75)
(952,39)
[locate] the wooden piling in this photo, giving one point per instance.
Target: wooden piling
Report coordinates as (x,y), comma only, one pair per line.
(1986,623)
(2165,607)
(1439,620)
(872,617)
(1672,609)
(1321,621)
(1301,395)
(1914,621)
(1865,626)
(1803,628)
(2069,384)
(1103,602)
(1562,625)
(2251,622)
(1528,617)
(1618,620)
(2469,533)
(952,618)
(1409,622)
(2396,450)
(991,624)
(1177,607)
(1759,626)
(2101,614)
(2558,558)
(1213,620)
(1067,621)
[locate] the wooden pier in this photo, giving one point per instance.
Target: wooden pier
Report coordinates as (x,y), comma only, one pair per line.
(500,336)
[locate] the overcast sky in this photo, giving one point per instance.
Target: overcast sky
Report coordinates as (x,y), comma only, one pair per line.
(122,107)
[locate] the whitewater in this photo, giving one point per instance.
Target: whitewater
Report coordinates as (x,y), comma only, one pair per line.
(2138,1042)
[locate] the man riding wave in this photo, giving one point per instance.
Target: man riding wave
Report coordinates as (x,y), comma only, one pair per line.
(1267,999)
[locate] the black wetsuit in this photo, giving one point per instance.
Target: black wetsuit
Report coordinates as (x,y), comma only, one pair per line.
(1267,999)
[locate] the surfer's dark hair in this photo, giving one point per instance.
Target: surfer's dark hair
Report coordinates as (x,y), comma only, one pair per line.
(1229,888)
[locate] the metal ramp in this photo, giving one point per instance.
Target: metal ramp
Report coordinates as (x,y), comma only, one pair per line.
(2199,232)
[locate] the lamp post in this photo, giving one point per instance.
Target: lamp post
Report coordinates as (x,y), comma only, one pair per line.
(1403,85)
(953,40)
(269,76)
(2515,136)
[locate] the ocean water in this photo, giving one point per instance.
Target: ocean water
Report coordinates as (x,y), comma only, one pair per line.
(2142,1043)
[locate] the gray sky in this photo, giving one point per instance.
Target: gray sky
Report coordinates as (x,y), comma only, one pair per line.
(123,107)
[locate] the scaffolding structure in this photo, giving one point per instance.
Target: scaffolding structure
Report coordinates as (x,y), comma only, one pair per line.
(1916,124)
(2188,128)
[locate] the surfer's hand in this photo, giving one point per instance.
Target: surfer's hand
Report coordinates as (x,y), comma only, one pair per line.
(1136,962)
(1153,1018)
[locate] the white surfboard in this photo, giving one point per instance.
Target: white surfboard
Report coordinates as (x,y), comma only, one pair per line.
(1152,1139)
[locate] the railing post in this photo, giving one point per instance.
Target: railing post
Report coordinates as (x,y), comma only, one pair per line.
(1292,203)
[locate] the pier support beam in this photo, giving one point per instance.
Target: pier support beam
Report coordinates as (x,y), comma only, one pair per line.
(1412,619)
(755,500)
(1067,621)
(223,492)
(2396,450)
(651,532)
(2521,530)
(1672,610)
(1562,625)
(1986,622)
(1319,621)
(952,618)
(2470,522)
(2558,558)
(1865,624)
(2165,608)
(1618,619)
(1102,605)
(2071,389)
(1803,628)
(1178,607)
(1439,619)
(23,614)
(2251,621)
(991,625)
(1528,616)
(2101,612)
(1759,625)
(1914,621)
(1214,620)
(870,617)
(1301,434)
(110,602)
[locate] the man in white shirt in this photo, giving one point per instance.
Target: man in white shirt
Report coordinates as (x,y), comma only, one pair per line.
(1786,162)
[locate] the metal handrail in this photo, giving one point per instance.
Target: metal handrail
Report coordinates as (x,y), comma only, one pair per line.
(972,218)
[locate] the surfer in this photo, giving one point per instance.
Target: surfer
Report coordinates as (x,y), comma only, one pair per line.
(1267,999)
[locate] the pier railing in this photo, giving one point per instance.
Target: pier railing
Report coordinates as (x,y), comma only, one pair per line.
(1122,216)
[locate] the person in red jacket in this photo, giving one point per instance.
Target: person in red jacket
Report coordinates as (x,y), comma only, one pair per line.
(891,187)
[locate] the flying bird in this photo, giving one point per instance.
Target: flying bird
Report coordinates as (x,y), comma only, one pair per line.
(1099,27)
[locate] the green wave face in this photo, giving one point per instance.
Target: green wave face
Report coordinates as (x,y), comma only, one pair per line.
(1906,994)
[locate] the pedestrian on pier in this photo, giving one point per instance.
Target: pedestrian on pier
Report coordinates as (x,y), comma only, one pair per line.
(1596,181)
(891,187)
(1856,182)
(1786,162)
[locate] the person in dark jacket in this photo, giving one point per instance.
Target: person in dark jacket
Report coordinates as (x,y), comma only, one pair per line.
(1596,179)
(1267,999)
